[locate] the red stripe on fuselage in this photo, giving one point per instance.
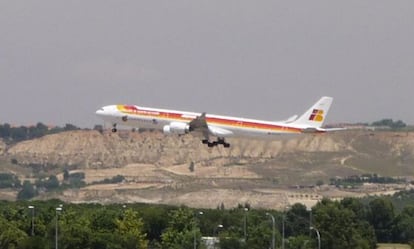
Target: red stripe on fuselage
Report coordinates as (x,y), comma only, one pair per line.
(234,123)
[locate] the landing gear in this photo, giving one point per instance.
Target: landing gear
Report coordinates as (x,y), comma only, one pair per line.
(212,144)
(215,143)
(223,142)
(114,128)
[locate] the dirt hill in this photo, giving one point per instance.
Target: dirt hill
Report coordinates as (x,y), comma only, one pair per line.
(90,149)
(157,167)
(2,147)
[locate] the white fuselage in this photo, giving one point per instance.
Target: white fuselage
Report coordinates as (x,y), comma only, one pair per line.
(152,118)
(208,125)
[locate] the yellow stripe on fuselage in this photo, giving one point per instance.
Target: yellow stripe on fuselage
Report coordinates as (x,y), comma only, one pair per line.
(253,125)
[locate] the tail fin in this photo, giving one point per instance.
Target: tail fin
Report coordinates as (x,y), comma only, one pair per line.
(314,117)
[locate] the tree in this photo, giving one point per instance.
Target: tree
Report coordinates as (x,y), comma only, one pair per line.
(403,230)
(10,235)
(398,125)
(131,228)
(260,235)
(19,133)
(5,131)
(35,242)
(297,220)
(381,216)
(9,181)
(319,183)
(37,131)
(51,183)
(74,229)
(155,221)
(340,227)
(27,191)
(104,219)
(390,123)
(300,242)
(65,174)
(70,127)
(179,233)
(191,167)
(356,206)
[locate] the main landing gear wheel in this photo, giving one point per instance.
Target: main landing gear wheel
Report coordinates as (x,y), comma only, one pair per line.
(212,144)
(114,128)
(215,143)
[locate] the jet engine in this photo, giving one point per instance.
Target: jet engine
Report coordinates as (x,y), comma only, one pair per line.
(176,128)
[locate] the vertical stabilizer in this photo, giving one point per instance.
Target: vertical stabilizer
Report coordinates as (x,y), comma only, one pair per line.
(315,116)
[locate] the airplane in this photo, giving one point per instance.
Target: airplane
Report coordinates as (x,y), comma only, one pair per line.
(209,126)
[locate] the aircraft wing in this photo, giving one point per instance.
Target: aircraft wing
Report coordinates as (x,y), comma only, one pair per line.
(199,124)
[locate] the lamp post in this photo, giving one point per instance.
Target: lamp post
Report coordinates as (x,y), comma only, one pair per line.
(317,234)
(273,229)
(310,219)
(245,224)
(32,211)
(214,232)
(194,228)
(58,210)
(283,230)
(283,225)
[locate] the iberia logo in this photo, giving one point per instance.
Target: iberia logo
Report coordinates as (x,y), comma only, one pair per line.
(127,108)
(317,115)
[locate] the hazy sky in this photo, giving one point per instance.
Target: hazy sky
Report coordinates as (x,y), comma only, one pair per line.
(62,60)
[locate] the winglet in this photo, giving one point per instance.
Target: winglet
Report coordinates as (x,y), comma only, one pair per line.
(315,116)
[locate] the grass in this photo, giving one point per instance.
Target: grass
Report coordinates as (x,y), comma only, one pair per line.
(393,246)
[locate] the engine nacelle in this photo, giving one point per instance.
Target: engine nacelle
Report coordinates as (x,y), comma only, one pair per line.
(176,128)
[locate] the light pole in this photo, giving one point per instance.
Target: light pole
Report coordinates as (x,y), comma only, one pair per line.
(214,232)
(32,209)
(283,230)
(194,228)
(317,234)
(310,219)
(58,210)
(245,224)
(283,225)
(273,229)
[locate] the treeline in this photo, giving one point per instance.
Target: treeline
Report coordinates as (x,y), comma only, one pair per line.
(387,122)
(28,190)
(365,178)
(17,134)
(350,223)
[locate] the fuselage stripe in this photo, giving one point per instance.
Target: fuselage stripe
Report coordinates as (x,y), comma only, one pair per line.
(178,117)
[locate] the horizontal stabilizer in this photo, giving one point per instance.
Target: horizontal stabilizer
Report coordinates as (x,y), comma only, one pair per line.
(332,129)
(291,119)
